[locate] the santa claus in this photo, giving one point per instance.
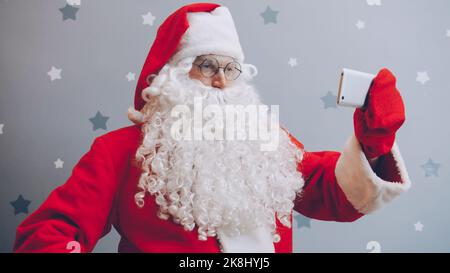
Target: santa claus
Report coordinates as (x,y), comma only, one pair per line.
(168,194)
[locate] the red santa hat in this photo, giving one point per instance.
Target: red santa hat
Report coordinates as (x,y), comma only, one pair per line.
(192,30)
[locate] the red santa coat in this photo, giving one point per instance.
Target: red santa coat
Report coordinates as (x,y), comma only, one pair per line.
(100,193)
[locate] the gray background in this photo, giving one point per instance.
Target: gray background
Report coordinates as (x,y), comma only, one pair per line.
(45,120)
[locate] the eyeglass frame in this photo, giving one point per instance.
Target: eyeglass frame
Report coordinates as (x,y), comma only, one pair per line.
(219,67)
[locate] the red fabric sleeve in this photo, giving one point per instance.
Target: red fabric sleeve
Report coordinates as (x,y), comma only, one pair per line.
(321,197)
(78,211)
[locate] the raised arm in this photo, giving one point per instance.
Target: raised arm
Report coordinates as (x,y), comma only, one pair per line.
(369,172)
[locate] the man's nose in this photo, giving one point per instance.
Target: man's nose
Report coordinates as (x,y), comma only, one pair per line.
(219,80)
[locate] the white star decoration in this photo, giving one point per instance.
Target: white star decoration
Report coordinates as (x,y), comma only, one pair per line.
(431,168)
(292,62)
(148,19)
(360,24)
(58,163)
(418,226)
(130,76)
(422,77)
(54,73)
(1,128)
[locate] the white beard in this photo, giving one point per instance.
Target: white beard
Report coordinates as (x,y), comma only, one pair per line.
(216,183)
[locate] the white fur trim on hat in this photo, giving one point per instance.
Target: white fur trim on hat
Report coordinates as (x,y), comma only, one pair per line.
(210,33)
(363,188)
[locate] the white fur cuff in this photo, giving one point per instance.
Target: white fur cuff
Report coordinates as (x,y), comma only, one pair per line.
(363,188)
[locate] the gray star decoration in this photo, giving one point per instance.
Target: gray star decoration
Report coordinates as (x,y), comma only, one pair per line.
(69,12)
(329,100)
(99,121)
(302,221)
(431,168)
(20,205)
(269,16)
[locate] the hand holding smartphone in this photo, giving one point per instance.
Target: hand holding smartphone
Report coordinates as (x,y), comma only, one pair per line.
(353,88)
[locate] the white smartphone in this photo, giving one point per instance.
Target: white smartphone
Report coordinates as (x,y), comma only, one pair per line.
(353,88)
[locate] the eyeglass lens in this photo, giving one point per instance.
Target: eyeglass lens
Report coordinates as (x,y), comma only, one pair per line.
(210,66)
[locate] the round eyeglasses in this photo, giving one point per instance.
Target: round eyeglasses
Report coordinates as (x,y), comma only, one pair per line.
(210,66)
